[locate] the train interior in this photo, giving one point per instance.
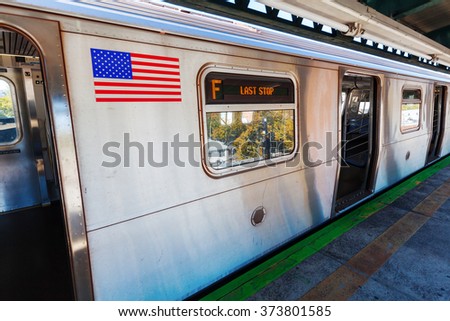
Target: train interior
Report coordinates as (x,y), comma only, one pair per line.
(438,123)
(34,249)
(358,96)
(359,134)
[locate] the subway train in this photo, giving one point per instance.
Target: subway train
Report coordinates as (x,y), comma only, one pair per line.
(148,152)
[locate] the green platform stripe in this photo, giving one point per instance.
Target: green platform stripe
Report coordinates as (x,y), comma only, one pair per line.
(260,276)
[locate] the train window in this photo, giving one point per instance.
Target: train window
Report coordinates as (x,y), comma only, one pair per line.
(249,120)
(9,131)
(410,112)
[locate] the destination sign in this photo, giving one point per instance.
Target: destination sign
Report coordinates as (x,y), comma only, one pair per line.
(224,88)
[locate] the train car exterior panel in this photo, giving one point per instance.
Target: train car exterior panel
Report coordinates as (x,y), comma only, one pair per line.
(402,153)
(393,100)
(111,124)
(393,158)
(318,111)
(141,258)
(149,190)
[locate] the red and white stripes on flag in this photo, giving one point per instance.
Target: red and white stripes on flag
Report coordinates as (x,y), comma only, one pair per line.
(133,77)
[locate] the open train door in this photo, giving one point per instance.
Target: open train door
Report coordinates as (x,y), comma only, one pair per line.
(437,123)
(41,215)
(359,103)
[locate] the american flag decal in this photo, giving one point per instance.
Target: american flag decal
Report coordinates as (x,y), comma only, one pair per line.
(133,77)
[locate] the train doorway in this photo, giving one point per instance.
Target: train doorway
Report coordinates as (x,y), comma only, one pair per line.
(33,242)
(437,123)
(359,103)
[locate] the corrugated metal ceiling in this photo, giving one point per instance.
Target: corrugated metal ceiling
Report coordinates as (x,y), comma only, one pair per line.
(12,43)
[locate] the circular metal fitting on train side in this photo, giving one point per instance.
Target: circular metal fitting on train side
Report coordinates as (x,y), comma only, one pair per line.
(258,215)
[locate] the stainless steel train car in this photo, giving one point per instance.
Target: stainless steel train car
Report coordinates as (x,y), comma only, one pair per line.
(147,152)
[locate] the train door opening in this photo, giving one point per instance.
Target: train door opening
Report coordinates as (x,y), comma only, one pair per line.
(437,123)
(354,182)
(33,243)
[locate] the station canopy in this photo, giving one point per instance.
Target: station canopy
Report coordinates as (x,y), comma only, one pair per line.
(408,28)
(430,18)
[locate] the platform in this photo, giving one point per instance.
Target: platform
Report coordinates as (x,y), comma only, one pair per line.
(394,247)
